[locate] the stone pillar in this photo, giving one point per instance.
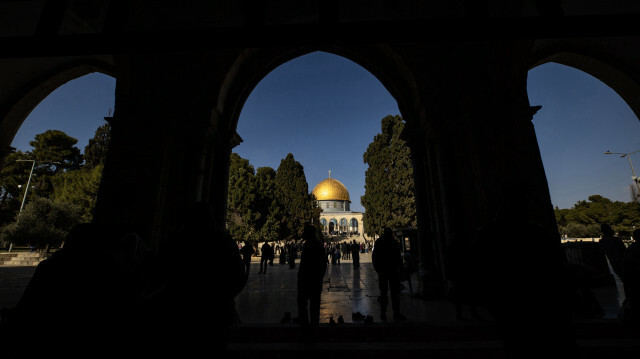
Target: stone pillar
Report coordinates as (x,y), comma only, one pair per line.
(153,168)
(480,155)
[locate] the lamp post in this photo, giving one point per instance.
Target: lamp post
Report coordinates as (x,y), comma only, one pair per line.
(33,165)
(628,156)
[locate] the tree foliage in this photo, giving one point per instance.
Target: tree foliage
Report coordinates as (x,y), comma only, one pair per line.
(42,221)
(389,198)
(242,195)
(54,152)
(294,194)
(271,211)
(80,188)
(95,152)
(584,218)
(61,175)
(268,205)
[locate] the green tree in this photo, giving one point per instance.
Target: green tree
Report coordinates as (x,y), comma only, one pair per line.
(271,211)
(298,203)
(42,222)
(78,187)
(95,152)
(13,180)
(55,152)
(242,216)
(585,217)
(389,197)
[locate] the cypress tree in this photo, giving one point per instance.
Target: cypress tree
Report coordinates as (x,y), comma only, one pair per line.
(389,198)
(294,195)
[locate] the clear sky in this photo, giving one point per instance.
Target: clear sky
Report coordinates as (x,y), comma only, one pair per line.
(326,110)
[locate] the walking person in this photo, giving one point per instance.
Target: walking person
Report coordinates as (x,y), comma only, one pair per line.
(614,249)
(355,253)
(313,267)
(387,262)
(267,256)
(247,252)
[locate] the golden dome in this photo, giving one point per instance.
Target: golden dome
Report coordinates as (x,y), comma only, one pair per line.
(332,190)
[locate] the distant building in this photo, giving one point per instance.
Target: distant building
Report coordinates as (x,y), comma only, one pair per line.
(337,217)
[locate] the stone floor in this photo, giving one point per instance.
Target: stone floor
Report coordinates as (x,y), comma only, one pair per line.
(266,297)
(431,328)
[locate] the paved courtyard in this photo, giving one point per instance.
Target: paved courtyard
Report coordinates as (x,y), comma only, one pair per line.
(266,297)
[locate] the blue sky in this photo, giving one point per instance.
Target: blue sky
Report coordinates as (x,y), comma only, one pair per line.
(326,110)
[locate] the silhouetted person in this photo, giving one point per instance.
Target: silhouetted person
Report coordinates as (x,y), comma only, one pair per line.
(355,254)
(630,314)
(267,255)
(247,252)
(293,255)
(311,271)
(614,249)
(387,262)
(193,310)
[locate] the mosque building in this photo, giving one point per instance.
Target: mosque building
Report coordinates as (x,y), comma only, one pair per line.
(337,217)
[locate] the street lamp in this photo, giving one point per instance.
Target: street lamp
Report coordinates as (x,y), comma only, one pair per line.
(628,156)
(33,165)
(28,182)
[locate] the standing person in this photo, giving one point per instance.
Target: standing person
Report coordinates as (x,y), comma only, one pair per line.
(313,267)
(293,255)
(247,252)
(630,314)
(387,262)
(267,255)
(614,249)
(355,253)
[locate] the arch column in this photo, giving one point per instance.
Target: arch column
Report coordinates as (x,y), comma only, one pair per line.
(480,155)
(158,145)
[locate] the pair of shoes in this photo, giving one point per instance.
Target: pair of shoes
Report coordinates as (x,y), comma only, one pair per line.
(357,317)
(399,316)
(332,323)
(340,320)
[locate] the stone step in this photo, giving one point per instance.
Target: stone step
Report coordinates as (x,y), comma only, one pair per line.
(21,259)
(21,263)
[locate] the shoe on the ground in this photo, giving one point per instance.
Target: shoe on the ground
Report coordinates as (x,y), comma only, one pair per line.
(332,323)
(340,320)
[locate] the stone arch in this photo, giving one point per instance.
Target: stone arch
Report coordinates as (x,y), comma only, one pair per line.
(252,65)
(343,224)
(604,66)
(353,225)
(32,91)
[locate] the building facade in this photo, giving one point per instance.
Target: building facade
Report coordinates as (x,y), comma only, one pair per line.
(337,218)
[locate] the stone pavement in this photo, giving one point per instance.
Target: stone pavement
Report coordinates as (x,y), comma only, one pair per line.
(266,297)
(431,328)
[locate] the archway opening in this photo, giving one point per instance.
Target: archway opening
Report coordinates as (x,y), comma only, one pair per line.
(586,132)
(324,110)
(60,149)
